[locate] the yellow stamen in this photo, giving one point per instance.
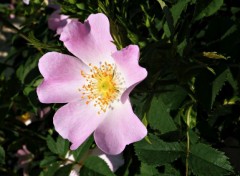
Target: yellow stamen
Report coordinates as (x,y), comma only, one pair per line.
(103,86)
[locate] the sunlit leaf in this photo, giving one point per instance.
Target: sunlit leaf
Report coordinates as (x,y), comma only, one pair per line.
(205,160)
(158,152)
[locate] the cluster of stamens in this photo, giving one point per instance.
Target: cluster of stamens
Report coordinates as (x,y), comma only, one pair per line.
(103,86)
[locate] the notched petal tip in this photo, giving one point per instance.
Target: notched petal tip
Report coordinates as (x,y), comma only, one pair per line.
(72,30)
(98,17)
(134,49)
(127,61)
(90,41)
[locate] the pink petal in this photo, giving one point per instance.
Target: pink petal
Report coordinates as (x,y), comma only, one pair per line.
(21,152)
(120,128)
(55,20)
(90,41)
(127,64)
(62,78)
(76,121)
(43,112)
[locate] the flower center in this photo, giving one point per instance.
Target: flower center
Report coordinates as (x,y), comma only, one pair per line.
(106,85)
(103,86)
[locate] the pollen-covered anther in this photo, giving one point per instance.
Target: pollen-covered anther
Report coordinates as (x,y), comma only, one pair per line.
(103,86)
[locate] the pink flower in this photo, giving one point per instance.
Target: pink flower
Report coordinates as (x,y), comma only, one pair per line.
(25,157)
(44,112)
(11,7)
(95,84)
(57,22)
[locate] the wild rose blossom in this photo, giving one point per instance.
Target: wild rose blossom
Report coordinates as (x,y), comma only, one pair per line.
(25,157)
(95,83)
(57,21)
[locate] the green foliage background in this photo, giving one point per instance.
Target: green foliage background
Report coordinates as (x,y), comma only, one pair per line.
(189,102)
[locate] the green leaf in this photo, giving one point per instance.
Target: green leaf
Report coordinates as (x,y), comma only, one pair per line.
(147,170)
(172,15)
(194,138)
(51,144)
(159,152)
(176,93)
(51,170)
(2,155)
(64,170)
(72,1)
(181,47)
(170,171)
(80,6)
(219,82)
(230,31)
(25,69)
(168,27)
(95,166)
(81,150)
(40,45)
(177,9)
(48,160)
(159,117)
(212,85)
(205,160)
(144,120)
(59,147)
(166,30)
(141,105)
(207,8)
(28,89)
(62,146)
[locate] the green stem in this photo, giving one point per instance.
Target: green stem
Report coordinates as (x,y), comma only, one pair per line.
(18,31)
(126,170)
(188,139)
